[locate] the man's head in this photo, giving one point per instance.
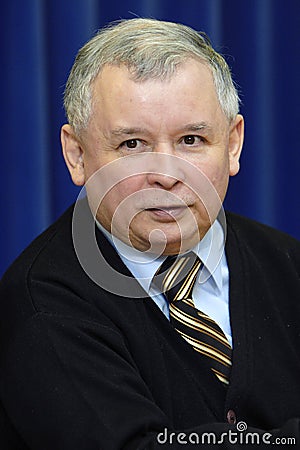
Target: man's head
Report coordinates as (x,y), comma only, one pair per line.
(157,93)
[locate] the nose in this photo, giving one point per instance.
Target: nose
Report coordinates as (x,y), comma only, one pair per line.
(163,170)
(163,181)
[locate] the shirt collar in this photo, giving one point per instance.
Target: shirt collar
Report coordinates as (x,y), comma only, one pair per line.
(211,252)
(144,265)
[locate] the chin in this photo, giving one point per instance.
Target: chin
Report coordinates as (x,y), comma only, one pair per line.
(160,243)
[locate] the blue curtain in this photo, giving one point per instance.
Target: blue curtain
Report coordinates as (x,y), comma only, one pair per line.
(39,39)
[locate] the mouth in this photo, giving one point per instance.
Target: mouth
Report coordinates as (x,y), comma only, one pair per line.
(168,212)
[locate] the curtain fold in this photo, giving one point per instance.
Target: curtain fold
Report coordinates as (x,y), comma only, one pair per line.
(39,40)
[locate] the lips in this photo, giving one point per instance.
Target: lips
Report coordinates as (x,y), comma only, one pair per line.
(168,211)
(165,208)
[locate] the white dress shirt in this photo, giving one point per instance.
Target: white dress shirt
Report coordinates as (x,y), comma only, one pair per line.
(211,290)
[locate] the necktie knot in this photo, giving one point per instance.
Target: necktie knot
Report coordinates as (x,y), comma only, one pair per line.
(177,275)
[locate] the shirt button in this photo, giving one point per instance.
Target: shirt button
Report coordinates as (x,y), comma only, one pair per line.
(231,417)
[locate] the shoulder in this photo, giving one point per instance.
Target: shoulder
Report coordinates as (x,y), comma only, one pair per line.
(249,227)
(47,276)
(60,229)
(42,256)
(263,241)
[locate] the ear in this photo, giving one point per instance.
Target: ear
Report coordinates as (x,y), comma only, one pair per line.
(236,139)
(73,154)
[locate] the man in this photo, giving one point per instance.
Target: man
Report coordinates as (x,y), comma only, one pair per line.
(102,347)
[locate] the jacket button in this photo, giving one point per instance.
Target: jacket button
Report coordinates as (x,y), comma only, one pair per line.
(231,417)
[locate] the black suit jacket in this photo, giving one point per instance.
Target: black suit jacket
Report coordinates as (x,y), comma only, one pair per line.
(82,368)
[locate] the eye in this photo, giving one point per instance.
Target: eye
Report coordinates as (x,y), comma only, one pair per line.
(131,143)
(192,140)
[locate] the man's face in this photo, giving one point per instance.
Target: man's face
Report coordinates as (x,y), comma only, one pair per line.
(171,129)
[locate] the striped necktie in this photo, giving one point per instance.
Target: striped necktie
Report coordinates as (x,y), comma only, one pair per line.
(176,278)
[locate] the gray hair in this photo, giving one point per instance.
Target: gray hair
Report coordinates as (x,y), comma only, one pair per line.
(149,48)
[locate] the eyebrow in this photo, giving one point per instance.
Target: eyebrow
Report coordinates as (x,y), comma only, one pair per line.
(130,131)
(199,126)
(121,131)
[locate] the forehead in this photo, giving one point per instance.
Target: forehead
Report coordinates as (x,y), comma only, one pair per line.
(115,77)
(188,92)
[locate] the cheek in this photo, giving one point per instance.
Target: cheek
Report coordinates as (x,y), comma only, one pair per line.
(109,206)
(130,185)
(119,207)
(217,172)
(91,166)
(211,189)
(122,193)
